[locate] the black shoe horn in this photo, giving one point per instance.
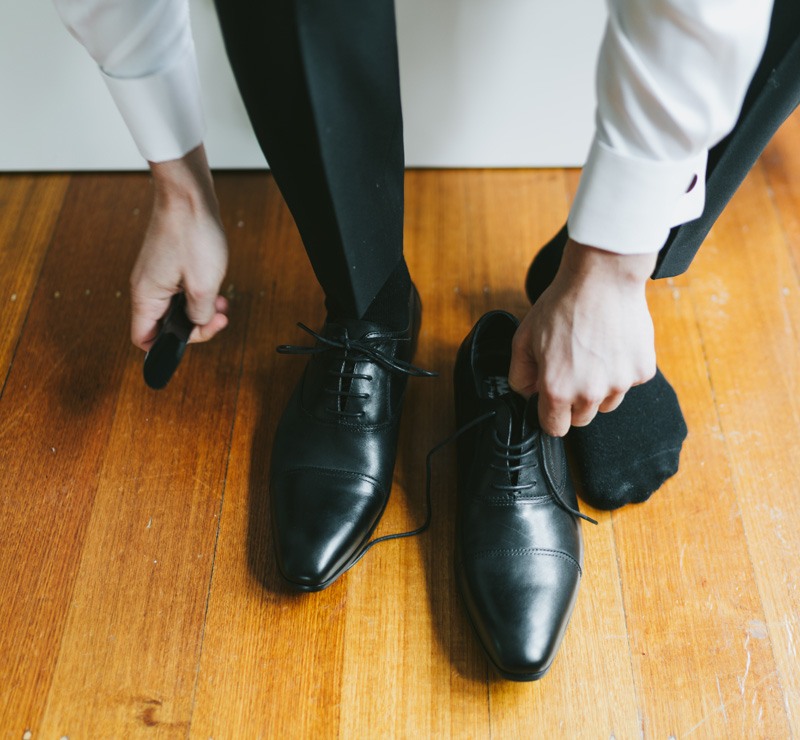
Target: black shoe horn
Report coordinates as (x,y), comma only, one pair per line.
(165,355)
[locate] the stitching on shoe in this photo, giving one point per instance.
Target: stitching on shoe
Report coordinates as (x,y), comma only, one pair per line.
(526,551)
(348,425)
(335,473)
(504,500)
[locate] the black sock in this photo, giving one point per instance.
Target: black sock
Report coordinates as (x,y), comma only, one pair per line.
(623,456)
(389,307)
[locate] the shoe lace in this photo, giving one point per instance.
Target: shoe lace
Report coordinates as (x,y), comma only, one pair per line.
(353,350)
(512,454)
(428,501)
(350,352)
(515,458)
(509,453)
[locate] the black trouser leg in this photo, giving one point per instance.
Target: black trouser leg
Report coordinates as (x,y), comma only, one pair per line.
(320,82)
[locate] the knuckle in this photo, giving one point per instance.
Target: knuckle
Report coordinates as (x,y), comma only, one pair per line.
(200,293)
(588,398)
(555,390)
(592,394)
(555,397)
(646,372)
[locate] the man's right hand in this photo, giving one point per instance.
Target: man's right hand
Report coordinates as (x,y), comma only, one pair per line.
(184,249)
(588,339)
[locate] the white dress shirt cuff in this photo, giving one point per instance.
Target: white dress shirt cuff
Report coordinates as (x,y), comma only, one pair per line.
(163,110)
(628,204)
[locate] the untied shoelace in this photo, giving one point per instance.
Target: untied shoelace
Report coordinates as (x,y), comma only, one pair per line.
(512,452)
(429,474)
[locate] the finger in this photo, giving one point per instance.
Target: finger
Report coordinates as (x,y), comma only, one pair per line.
(221,305)
(583,414)
(145,317)
(611,403)
(644,379)
(554,416)
(201,306)
(523,373)
(208,331)
(647,374)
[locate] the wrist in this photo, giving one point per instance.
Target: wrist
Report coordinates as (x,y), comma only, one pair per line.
(185,183)
(583,263)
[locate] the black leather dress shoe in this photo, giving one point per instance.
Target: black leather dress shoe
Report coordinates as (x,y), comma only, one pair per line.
(335,446)
(518,540)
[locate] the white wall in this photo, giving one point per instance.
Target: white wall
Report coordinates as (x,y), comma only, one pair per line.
(485,83)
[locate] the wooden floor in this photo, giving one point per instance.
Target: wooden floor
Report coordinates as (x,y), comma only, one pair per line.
(138,590)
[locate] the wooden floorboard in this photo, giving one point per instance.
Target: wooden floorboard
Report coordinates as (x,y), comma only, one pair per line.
(261,641)
(751,329)
(30,207)
(139,590)
(56,410)
(691,596)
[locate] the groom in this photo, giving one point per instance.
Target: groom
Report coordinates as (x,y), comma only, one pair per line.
(320,82)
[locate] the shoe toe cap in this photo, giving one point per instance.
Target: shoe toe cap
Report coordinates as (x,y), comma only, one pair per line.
(321,520)
(520,607)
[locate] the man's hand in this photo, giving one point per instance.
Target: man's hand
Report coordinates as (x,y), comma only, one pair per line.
(587,340)
(184,249)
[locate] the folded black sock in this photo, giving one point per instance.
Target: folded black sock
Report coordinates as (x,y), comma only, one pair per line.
(389,307)
(623,456)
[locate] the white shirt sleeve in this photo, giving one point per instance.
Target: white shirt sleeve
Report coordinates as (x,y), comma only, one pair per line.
(671,79)
(146,54)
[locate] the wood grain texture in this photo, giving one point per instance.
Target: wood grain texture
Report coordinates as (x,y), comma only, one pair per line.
(751,329)
(275,654)
(56,409)
(782,180)
(702,660)
(30,207)
(139,589)
(128,655)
